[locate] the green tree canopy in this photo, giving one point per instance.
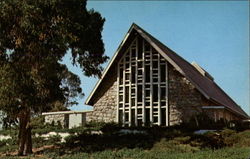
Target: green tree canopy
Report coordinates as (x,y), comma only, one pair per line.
(34,37)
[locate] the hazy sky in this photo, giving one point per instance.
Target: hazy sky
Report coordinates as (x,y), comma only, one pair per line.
(215,34)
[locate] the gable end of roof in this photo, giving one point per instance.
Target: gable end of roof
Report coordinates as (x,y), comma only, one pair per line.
(203,83)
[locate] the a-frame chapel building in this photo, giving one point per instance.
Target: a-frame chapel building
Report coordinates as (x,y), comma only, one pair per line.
(146,83)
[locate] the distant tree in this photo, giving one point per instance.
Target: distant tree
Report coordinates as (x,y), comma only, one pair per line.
(59,106)
(34,37)
(7,122)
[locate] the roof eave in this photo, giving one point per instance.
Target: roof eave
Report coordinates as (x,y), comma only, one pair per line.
(88,100)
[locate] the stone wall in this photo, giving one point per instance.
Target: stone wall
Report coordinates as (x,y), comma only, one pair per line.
(184,99)
(105,106)
(56,118)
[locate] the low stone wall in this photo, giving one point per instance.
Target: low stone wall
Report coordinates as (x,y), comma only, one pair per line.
(68,119)
(55,118)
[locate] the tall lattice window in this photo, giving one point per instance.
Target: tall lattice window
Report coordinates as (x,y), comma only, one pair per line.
(142,85)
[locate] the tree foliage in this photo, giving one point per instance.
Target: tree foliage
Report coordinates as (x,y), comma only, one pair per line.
(34,37)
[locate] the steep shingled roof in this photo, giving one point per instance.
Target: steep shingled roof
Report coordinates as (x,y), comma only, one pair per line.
(202,83)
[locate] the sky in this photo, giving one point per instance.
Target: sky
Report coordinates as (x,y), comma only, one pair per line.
(215,34)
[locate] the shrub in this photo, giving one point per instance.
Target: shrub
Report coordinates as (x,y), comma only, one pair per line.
(227,132)
(94,125)
(239,125)
(38,122)
(244,139)
(8,148)
(71,140)
(110,128)
(77,130)
(3,142)
(10,131)
(59,125)
(211,140)
(8,145)
(54,139)
(48,128)
(231,138)
(38,141)
(199,121)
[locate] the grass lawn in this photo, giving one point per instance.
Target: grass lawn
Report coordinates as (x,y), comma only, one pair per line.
(224,153)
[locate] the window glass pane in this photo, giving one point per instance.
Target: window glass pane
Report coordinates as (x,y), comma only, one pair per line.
(127,58)
(163,73)
(120,97)
(139,47)
(133,51)
(139,64)
(147,73)
(147,46)
(155,64)
(132,117)
(139,122)
(163,117)
(147,111)
(127,76)
(139,93)
(155,119)
(133,101)
(155,71)
(155,57)
(121,76)
(154,51)
(163,103)
(126,116)
(139,111)
(133,90)
(163,93)
(155,93)
(127,65)
(133,75)
(120,116)
(120,105)
(147,93)
(126,94)
(139,72)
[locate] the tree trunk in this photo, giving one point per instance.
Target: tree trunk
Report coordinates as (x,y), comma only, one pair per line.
(28,143)
(22,133)
(25,142)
